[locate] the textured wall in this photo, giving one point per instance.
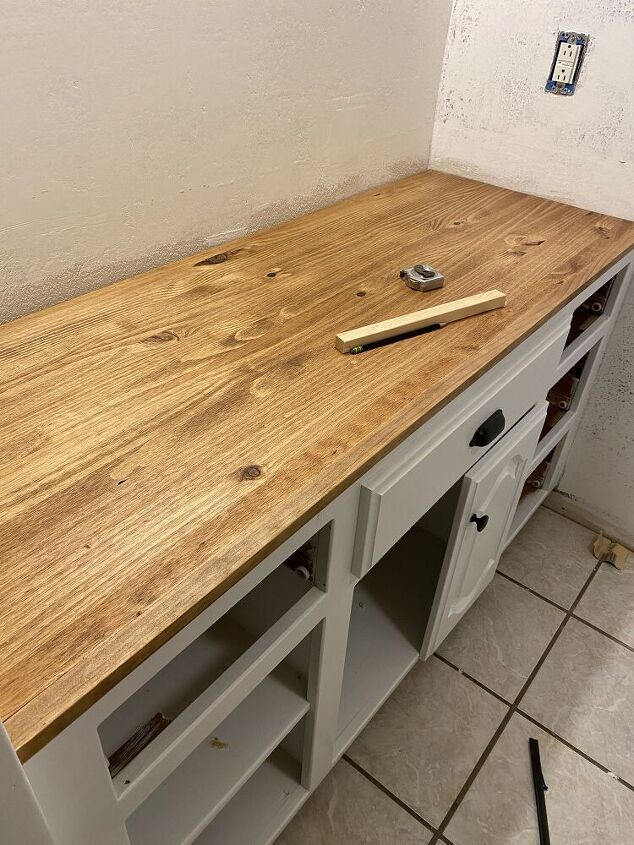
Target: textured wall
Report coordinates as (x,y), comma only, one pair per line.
(136,133)
(494,122)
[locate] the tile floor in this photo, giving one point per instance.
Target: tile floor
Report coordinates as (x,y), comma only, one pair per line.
(548,652)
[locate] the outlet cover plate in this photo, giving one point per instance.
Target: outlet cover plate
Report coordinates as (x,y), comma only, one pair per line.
(570,49)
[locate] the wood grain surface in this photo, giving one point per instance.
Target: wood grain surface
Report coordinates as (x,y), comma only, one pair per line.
(160,436)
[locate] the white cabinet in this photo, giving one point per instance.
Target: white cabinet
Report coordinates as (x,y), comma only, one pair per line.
(487,501)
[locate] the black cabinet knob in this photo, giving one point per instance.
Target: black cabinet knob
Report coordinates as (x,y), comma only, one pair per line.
(480,521)
(489,429)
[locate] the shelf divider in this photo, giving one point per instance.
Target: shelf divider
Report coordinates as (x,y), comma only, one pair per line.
(578,348)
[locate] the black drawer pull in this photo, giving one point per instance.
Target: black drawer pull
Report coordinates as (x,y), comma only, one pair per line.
(480,521)
(489,429)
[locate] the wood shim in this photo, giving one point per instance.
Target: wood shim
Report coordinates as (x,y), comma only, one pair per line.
(604,549)
(445,313)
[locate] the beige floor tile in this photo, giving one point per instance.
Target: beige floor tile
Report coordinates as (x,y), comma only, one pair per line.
(348,810)
(584,692)
(585,806)
(608,602)
(503,635)
(425,740)
(552,555)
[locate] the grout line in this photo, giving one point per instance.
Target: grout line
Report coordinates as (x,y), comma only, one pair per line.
(601,631)
(535,721)
(472,776)
(560,607)
(389,794)
(574,748)
(474,680)
(512,709)
(533,592)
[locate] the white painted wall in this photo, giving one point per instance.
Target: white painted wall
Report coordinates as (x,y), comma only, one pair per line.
(134,133)
(494,122)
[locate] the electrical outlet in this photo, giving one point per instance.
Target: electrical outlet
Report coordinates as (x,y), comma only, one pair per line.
(564,72)
(566,62)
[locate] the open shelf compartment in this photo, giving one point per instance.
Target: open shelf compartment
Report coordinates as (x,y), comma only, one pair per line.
(187,687)
(590,320)
(391,608)
(590,312)
(206,781)
(563,397)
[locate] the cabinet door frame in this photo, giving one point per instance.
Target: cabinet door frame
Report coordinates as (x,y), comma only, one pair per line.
(520,442)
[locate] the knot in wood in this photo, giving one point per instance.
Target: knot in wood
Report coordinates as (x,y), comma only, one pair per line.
(218,258)
(251,472)
(161,337)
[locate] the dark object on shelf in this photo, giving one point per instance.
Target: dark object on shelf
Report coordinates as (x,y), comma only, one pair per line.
(581,321)
(540,787)
(553,415)
(537,477)
(589,310)
(577,369)
(120,758)
(597,302)
(561,394)
(302,561)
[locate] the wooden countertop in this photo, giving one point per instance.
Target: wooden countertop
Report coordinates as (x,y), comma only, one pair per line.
(160,436)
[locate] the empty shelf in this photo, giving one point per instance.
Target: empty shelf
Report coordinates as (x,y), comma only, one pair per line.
(257,814)
(207,780)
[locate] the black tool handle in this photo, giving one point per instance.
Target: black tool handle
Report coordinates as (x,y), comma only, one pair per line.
(489,429)
(540,787)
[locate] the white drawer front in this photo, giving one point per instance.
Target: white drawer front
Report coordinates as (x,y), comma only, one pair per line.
(406,484)
(488,497)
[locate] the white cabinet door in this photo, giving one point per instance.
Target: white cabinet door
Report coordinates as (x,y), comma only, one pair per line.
(487,502)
